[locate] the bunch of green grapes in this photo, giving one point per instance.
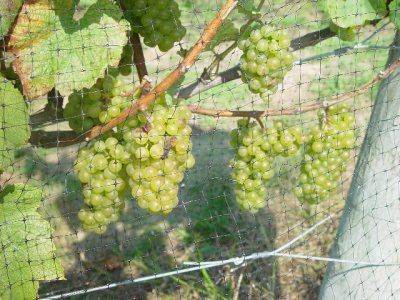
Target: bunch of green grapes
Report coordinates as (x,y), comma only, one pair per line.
(83,109)
(251,166)
(99,104)
(285,140)
(156,21)
(326,155)
(113,88)
(265,60)
(100,168)
(160,155)
(346,34)
(255,151)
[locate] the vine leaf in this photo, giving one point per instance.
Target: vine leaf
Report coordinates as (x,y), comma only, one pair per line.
(227,32)
(394,14)
(82,8)
(350,13)
(27,251)
(14,122)
(247,7)
(8,12)
(53,50)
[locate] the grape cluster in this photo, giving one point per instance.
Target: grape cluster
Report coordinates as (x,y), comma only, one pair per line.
(326,155)
(99,104)
(148,153)
(157,21)
(255,151)
(82,110)
(100,169)
(285,140)
(112,89)
(161,155)
(346,34)
(265,60)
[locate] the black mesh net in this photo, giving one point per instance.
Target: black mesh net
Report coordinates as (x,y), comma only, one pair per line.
(88,207)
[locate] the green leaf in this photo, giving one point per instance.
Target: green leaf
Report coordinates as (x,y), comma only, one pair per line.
(8,12)
(14,122)
(350,13)
(228,32)
(53,50)
(27,249)
(247,7)
(82,8)
(86,3)
(394,13)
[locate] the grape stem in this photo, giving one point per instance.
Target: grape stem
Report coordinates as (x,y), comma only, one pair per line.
(291,111)
(138,56)
(141,89)
(145,101)
(208,72)
(259,121)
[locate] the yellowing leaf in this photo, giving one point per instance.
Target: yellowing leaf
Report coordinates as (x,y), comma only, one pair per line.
(27,249)
(14,122)
(8,13)
(54,50)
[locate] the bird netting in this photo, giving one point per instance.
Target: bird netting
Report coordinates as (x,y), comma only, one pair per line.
(199,149)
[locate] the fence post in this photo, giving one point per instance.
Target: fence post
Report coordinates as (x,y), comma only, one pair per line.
(370,225)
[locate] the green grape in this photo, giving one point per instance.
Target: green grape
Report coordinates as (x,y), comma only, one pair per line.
(156,21)
(265,60)
(326,156)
